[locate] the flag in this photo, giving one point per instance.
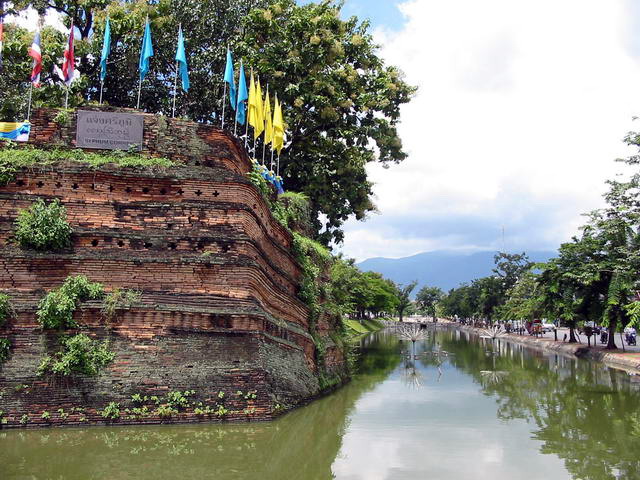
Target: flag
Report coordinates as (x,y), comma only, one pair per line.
(253,105)
(268,124)
(229,78)
(146,52)
(278,127)
(36,54)
(106,47)
(68,66)
(1,37)
(243,95)
(18,131)
(181,58)
(258,128)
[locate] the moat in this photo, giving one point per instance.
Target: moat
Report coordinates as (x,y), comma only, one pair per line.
(464,408)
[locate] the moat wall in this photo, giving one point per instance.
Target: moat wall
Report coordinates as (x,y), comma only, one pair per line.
(218,312)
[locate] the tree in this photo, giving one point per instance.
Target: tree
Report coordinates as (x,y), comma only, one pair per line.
(510,267)
(523,300)
(428,298)
(341,102)
(404,297)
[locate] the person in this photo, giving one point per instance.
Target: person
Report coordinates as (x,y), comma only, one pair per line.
(630,335)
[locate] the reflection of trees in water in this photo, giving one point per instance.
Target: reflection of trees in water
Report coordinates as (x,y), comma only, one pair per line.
(302,444)
(585,414)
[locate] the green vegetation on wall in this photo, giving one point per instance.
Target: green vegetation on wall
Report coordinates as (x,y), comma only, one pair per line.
(6,308)
(79,355)
(43,227)
(13,160)
(56,309)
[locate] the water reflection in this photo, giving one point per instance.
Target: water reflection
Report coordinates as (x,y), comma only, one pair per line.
(457,407)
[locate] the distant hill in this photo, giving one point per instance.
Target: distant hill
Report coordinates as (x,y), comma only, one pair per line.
(444,269)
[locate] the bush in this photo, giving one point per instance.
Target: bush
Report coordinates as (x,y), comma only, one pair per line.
(56,308)
(43,227)
(119,299)
(6,309)
(79,354)
(111,411)
(293,210)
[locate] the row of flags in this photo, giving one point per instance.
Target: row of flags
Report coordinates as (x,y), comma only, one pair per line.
(260,115)
(250,107)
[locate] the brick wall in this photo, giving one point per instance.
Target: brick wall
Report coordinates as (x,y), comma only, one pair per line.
(218,308)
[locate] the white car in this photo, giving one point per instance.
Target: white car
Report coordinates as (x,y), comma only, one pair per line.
(548,327)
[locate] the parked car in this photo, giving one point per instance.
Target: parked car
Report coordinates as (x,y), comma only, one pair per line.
(548,327)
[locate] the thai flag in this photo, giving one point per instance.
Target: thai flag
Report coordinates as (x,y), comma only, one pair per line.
(1,36)
(68,65)
(36,54)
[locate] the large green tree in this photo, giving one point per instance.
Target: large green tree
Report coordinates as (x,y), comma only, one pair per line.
(341,101)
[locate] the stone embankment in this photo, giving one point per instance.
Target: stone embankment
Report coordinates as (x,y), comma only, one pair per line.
(629,362)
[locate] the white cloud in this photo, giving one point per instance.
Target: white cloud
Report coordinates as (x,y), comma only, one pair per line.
(521,109)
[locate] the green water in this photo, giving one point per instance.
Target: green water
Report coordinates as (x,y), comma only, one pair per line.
(483,412)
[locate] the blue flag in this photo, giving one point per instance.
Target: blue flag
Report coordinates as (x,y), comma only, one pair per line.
(181,58)
(229,78)
(147,51)
(106,47)
(243,94)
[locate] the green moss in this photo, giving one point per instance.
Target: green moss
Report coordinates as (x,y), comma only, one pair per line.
(13,160)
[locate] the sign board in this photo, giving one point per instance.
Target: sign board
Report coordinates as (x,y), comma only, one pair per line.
(109,130)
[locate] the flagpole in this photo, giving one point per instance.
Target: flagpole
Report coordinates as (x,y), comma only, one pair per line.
(278,166)
(29,107)
(246,133)
(271,159)
(66,100)
(224,102)
(139,91)
(264,147)
(175,92)
(101,87)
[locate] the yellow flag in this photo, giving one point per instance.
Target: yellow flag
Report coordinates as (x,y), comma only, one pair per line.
(252,119)
(258,127)
(278,127)
(268,125)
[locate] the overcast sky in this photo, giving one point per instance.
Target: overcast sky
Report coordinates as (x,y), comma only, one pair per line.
(521,109)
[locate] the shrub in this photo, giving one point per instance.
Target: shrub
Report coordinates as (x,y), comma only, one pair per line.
(43,227)
(79,354)
(111,411)
(294,211)
(6,309)
(119,299)
(56,308)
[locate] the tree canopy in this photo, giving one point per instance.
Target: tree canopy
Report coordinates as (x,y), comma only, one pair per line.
(341,101)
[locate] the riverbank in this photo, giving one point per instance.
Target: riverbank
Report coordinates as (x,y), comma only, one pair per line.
(629,362)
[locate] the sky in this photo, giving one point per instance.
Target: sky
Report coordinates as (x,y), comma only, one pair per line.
(521,110)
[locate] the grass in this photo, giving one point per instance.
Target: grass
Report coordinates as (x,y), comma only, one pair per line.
(363,327)
(13,159)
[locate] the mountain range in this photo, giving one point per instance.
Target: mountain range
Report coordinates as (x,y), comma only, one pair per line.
(444,269)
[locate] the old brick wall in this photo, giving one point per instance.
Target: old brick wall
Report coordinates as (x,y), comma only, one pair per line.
(218,309)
